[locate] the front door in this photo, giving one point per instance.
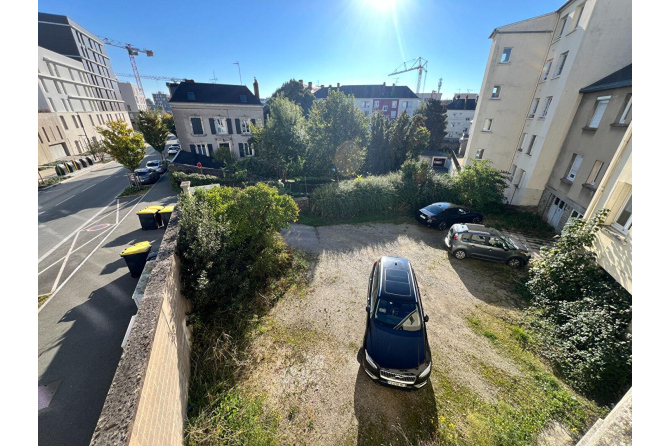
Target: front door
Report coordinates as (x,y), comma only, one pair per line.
(556,212)
(495,250)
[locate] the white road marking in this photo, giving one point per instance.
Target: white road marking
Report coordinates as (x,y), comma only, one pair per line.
(63,201)
(81,246)
(117,211)
(74,240)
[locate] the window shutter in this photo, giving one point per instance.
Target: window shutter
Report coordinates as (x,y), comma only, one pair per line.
(209,149)
(575,167)
(192,147)
(237,127)
(229,124)
(212,126)
(253,121)
(241,146)
(598,115)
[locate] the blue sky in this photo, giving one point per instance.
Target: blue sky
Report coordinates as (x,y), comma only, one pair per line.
(349,41)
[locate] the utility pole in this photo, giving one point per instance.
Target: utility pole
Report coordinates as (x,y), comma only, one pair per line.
(239,71)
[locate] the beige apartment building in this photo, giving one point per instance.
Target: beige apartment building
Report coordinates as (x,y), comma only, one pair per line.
(530,91)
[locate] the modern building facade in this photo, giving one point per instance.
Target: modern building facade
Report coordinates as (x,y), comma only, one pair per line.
(390,100)
(134,101)
(460,113)
(530,91)
(162,100)
(599,124)
(209,117)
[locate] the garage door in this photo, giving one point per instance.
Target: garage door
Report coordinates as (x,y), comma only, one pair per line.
(58,151)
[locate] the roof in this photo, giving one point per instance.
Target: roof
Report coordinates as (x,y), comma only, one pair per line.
(396,279)
(618,79)
(370,91)
(214,94)
(433,153)
(481,229)
(462,104)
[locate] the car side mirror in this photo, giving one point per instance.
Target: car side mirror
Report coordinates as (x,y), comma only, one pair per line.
(425,318)
(367,308)
(505,248)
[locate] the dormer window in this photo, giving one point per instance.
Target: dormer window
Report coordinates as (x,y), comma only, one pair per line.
(243,98)
(190,95)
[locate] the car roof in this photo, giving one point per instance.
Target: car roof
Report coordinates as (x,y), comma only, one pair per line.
(396,279)
(142,170)
(479,229)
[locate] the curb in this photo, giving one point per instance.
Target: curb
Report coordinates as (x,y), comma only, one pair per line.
(48,187)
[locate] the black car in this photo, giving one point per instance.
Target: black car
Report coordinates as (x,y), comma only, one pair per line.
(396,344)
(443,215)
(147,176)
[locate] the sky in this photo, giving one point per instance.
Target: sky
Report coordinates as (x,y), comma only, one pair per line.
(350,41)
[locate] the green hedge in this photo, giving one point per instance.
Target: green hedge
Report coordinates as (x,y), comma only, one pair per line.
(197,179)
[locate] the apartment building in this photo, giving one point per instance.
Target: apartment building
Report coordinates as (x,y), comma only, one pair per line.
(134,101)
(599,124)
(209,117)
(530,91)
(390,100)
(162,100)
(460,113)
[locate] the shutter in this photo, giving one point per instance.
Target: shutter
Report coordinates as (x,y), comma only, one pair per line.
(192,147)
(229,123)
(241,146)
(575,167)
(209,150)
(237,127)
(212,126)
(253,121)
(598,115)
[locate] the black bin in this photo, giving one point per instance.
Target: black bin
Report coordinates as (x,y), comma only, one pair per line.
(77,163)
(165,214)
(90,160)
(83,162)
(70,166)
(149,218)
(61,170)
(136,257)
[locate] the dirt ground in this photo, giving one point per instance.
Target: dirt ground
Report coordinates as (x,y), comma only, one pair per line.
(307,359)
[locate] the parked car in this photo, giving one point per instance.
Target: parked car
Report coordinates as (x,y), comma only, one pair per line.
(396,344)
(174,148)
(156,165)
(147,176)
(480,242)
(443,215)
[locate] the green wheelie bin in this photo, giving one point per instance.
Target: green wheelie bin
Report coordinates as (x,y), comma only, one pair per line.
(135,257)
(149,218)
(165,214)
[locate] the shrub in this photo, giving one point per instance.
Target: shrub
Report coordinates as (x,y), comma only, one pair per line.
(196,179)
(481,186)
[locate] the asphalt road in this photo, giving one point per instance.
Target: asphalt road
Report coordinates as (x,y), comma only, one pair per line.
(83,324)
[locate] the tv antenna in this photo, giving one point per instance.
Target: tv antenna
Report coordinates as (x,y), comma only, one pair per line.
(214,79)
(239,71)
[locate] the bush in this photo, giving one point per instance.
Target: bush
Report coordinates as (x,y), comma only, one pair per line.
(481,186)
(48,182)
(196,179)
(582,314)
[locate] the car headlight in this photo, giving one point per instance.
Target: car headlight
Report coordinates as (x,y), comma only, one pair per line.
(524,252)
(369,360)
(426,371)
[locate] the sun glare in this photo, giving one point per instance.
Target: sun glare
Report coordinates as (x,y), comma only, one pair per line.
(382,5)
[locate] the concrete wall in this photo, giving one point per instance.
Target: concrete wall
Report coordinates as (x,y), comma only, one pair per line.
(51,139)
(147,401)
(183,112)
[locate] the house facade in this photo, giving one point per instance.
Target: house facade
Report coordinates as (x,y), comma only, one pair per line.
(390,101)
(209,117)
(460,113)
(530,91)
(134,101)
(601,119)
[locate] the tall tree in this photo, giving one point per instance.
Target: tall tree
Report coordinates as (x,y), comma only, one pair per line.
(408,137)
(282,142)
(150,123)
(379,157)
(436,121)
(296,92)
(336,124)
(124,144)
(168,119)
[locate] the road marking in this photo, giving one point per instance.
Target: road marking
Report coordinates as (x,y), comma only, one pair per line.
(63,201)
(98,227)
(80,247)
(67,256)
(117,211)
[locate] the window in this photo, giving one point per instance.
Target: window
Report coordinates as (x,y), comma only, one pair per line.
(523,142)
(487,125)
(520,175)
(512,172)
(576,214)
(196,125)
(601,105)
(376,104)
(220,126)
(578,16)
(496,92)
(506,54)
(62,120)
(40,138)
(561,28)
(545,70)
(561,64)
(394,104)
(46,134)
(74,119)
(59,133)
(595,171)
(91,118)
(190,95)
(533,107)
(529,151)
(64,105)
(547,103)
(385,108)
(245,125)
(247,150)
(51,72)
(574,167)
(626,111)
(624,220)
(480,154)
(393,114)
(366,104)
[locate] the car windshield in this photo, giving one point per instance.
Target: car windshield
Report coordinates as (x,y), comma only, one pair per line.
(435,209)
(152,163)
(398,315)
(509,242)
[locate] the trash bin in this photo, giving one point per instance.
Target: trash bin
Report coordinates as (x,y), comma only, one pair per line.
(90,160)
(77,164)
(148,218)
(70,166)
(135,257)
(165,214)
(83,162)
(159,221)
(61,170)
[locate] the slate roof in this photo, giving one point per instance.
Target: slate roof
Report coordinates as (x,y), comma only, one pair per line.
(460,104)
(371,91)
(618,79)
(214,94)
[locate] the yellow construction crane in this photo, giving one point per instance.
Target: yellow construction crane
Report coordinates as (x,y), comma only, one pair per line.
(414,64)
(132,52)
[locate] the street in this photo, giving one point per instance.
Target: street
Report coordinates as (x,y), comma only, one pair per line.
(82,228)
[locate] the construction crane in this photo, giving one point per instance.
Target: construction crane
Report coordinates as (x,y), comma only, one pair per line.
(155,78)
(132,52)
(414,64)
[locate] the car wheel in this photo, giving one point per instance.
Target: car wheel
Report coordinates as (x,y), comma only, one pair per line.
(515,263)
(442,226)
(460,254)
(476,220)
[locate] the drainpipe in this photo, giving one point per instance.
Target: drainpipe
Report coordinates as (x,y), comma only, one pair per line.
(608,174)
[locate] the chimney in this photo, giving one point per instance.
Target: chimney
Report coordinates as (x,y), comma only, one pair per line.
(338,85)
(256,93)
(309,85)
(384,84)
(301,81)
(330,86)
(322,86)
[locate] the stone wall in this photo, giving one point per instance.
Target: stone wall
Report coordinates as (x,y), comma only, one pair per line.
(147,401)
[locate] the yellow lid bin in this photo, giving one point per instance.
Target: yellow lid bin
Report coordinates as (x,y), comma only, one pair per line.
(155,207)
(137,248)
(166,209)
(147,211)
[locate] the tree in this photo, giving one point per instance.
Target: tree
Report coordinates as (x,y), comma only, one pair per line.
(581,313)
(335,124)
(96,148)
(150,124)
(408,137)
(481,185)
(168,119)
(124,144)
(379,157)
(436,121)
(296,92)
(282,143)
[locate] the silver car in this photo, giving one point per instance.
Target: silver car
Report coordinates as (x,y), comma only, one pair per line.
(480,242)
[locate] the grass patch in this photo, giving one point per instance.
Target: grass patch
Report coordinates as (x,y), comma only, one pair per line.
(41,299)
(133,190)
(48,182)
(515,220)
(311,219)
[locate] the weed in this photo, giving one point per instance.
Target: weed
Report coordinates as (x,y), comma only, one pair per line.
(133,190)
(41,299)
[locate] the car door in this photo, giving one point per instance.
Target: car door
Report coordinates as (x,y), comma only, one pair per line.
(479,246)
(449,216)
(495,250)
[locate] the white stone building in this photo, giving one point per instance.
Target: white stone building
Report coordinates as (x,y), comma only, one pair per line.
(134,101)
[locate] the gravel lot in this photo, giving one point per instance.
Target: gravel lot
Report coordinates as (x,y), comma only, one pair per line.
(307,359)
